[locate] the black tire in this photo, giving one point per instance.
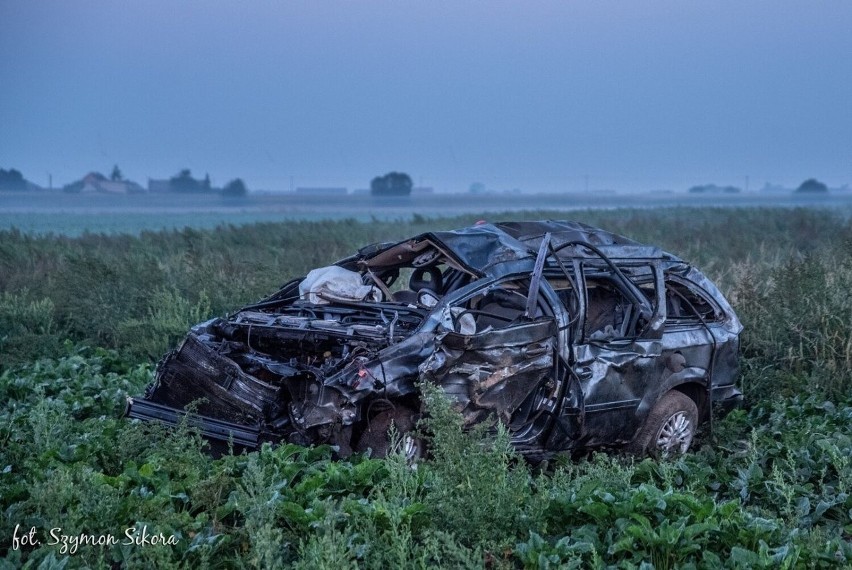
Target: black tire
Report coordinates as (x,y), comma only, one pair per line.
(670,427)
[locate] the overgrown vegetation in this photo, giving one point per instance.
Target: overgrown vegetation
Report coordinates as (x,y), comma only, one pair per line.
(769,488)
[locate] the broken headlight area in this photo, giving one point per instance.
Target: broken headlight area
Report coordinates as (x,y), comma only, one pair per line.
(285,376)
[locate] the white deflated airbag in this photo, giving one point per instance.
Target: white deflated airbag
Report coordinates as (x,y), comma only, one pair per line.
(334,283)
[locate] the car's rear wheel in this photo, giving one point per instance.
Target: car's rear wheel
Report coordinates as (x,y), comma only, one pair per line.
(669,428)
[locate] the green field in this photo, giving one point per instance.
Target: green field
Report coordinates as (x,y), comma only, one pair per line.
(83,320)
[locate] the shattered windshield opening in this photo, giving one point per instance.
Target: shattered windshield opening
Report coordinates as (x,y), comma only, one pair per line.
(414,273)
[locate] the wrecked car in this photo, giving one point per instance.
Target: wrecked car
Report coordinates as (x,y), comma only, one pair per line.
(571,336)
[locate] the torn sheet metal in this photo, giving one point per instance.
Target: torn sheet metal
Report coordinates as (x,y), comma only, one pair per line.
(493,371)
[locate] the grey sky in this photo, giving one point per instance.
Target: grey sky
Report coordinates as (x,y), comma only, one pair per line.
(534,95)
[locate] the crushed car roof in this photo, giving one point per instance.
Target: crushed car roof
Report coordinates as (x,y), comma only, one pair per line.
(484,246)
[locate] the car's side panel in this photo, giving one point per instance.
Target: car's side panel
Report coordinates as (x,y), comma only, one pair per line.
(614,379)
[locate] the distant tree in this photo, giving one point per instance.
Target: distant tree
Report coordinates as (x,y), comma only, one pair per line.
(812,185)
(477,188)
(74,187)
(235,188)
(206,183)
(12,180)
(391,184)
(184,182)
(116,175)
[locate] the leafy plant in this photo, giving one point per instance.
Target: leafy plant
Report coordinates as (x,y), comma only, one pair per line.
(82,318)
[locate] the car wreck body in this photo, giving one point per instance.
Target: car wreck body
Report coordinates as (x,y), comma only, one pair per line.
(571,336)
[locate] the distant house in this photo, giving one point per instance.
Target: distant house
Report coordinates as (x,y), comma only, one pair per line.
(97,183)
(418,190)
(321,191)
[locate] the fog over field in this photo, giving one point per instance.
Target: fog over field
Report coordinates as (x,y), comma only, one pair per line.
(73,214)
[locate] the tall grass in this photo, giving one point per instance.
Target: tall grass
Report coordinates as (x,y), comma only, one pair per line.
(798,319)
(787,272)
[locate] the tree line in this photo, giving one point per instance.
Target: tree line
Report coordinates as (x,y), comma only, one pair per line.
(183,181)
(13,180)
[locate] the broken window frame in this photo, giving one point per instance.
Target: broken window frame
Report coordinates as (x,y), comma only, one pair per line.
(616,271)
(694,319)
(482,288)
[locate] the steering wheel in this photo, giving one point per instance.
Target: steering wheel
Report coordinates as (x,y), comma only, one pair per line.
(419,279)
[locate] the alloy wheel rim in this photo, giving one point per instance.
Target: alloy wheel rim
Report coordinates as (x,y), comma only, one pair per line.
(411,450)
(675,435)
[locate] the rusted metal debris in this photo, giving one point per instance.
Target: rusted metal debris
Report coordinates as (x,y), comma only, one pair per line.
(571,336)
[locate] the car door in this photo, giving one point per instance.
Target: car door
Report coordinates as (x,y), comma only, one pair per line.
(617,357)
(494,356)
(501,355)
